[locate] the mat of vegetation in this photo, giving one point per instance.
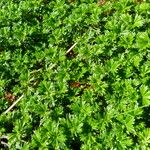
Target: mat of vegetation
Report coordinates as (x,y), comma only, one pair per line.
(76,73)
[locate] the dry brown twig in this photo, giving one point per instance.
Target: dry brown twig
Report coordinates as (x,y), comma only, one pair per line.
(69,50)
(4,141)
(13,104)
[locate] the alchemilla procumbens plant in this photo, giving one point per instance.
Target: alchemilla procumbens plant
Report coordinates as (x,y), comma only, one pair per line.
(75,74)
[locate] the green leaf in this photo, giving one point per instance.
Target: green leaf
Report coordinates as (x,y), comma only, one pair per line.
(145,92)
(142,40)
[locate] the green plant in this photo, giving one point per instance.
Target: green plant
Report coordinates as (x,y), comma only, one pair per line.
(94,95)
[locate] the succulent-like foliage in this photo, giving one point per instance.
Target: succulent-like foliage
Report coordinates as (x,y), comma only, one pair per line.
(82,70)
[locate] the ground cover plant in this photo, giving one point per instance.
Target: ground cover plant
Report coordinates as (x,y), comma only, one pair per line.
(76,73)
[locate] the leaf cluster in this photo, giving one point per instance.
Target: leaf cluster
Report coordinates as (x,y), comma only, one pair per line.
(94,96)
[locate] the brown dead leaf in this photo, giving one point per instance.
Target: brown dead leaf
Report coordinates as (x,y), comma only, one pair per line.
(74,84)
(101,2)
(71,1)
(137,1)
(9,97)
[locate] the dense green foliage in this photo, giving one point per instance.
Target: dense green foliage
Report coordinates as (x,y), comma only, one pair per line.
(95,97)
